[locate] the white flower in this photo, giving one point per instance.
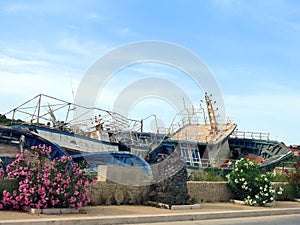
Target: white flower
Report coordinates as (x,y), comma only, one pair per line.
(244,187)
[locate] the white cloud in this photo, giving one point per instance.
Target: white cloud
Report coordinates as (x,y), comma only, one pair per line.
(126,31)
(10,7)
(150,73)
(87,48)
(228,5)
(74,45)
(93,15)
(6,61)
(272,113)
(30,84)
(22,79)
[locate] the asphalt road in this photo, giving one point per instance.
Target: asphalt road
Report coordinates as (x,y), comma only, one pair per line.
(266,220)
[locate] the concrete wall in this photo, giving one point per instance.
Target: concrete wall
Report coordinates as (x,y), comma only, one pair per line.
(124,175)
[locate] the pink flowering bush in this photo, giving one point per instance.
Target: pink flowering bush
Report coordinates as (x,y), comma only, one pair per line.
(293,177)
(1,173)
(44,183)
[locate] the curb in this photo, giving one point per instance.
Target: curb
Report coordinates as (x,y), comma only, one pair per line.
(173,207)
(51,210)
(153,218)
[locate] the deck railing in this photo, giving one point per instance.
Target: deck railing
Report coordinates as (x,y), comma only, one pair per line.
(251,135)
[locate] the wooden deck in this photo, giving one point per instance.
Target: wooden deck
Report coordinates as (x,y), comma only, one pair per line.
(202,133)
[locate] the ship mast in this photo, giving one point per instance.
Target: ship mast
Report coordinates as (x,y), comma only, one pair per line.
(211,114)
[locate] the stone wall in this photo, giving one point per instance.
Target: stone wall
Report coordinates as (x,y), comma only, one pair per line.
(169,176)
(217,191)
(125,185)
(110,193)
(200,191)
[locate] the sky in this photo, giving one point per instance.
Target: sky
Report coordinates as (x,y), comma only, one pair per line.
(251,47)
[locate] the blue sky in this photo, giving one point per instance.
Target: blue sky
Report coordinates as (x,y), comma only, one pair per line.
(252,48)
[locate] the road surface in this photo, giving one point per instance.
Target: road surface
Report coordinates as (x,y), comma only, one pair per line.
(265,220)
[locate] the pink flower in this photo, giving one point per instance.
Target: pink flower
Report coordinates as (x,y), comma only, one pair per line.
(43,185)
(63,159)
(46,182)
(58,176)
(79,204)
(72,199)
(31,190)
(41,146)
(41,191)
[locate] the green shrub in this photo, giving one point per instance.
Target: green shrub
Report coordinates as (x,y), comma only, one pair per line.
(207,175)
(280,178)
(250,185)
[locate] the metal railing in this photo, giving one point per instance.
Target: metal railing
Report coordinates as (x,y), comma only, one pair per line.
(251,135)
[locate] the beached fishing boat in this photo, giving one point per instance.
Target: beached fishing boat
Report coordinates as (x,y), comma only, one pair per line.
(195,134)
(15,140)
(212,144)
(75,135)
(198,137)
(258,147)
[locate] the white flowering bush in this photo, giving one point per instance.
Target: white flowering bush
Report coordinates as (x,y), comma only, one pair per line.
(250,185)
